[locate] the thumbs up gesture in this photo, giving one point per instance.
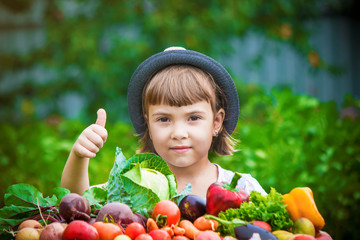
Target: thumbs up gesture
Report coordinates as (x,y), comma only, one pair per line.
(92,139)
(101,117)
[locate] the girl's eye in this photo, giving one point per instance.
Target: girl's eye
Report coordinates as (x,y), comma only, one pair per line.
(194,118)
(163,119)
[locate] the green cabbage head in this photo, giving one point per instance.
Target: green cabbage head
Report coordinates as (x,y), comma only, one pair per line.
(151,179)
(142,181)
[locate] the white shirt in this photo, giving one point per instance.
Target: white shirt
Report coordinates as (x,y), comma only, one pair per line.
(246,182)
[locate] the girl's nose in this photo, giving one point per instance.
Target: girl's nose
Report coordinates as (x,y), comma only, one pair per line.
(179,132)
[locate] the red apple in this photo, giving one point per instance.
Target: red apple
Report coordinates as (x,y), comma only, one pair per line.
(303,237)
(323,236)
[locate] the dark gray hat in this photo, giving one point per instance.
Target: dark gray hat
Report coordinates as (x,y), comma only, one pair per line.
(173,56)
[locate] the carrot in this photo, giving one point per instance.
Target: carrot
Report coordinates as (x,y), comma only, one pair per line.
(169,230)
(151,225)
(204,224)
(178,231)
(190,230)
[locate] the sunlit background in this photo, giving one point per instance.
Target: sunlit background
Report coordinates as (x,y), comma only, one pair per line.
(295,63)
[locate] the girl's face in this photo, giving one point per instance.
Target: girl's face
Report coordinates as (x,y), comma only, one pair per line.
(182,136)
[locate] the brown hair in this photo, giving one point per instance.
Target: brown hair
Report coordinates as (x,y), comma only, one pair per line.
(181,85)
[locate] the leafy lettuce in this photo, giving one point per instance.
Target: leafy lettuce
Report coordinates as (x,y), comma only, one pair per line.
(142,181)
(270,209)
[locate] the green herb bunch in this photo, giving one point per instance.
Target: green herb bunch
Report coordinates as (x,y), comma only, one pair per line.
(270,209)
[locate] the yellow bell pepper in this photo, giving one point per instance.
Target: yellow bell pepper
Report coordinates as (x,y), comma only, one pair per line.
(300,203)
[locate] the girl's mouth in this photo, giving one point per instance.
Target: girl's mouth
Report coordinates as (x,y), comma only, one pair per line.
(180,149)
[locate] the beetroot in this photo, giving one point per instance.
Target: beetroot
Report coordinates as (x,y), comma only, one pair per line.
(73,206)
(139,218)
(91,220)
(53,231)
(117,212)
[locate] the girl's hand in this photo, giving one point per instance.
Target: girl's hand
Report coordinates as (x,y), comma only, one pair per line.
(92,138)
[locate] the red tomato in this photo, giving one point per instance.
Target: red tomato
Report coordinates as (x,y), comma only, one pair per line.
(159,234)
(134,229)
(107,231)
(144,236)
(169,211)
(80,230)
(323,236)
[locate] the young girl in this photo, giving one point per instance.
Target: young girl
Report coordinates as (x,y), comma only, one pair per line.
(182,104)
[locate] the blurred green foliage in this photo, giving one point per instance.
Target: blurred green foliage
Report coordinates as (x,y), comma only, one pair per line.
(35,152)
(93,47)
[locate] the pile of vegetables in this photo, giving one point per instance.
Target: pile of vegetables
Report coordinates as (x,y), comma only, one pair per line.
(140,202)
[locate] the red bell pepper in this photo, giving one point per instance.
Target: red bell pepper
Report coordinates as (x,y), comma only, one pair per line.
(221,196)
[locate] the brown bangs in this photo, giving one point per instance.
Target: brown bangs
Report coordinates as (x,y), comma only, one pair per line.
(179,85)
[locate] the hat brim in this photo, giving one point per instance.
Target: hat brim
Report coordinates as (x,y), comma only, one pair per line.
(173,57)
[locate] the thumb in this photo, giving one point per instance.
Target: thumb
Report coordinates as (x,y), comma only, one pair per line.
(101,117)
